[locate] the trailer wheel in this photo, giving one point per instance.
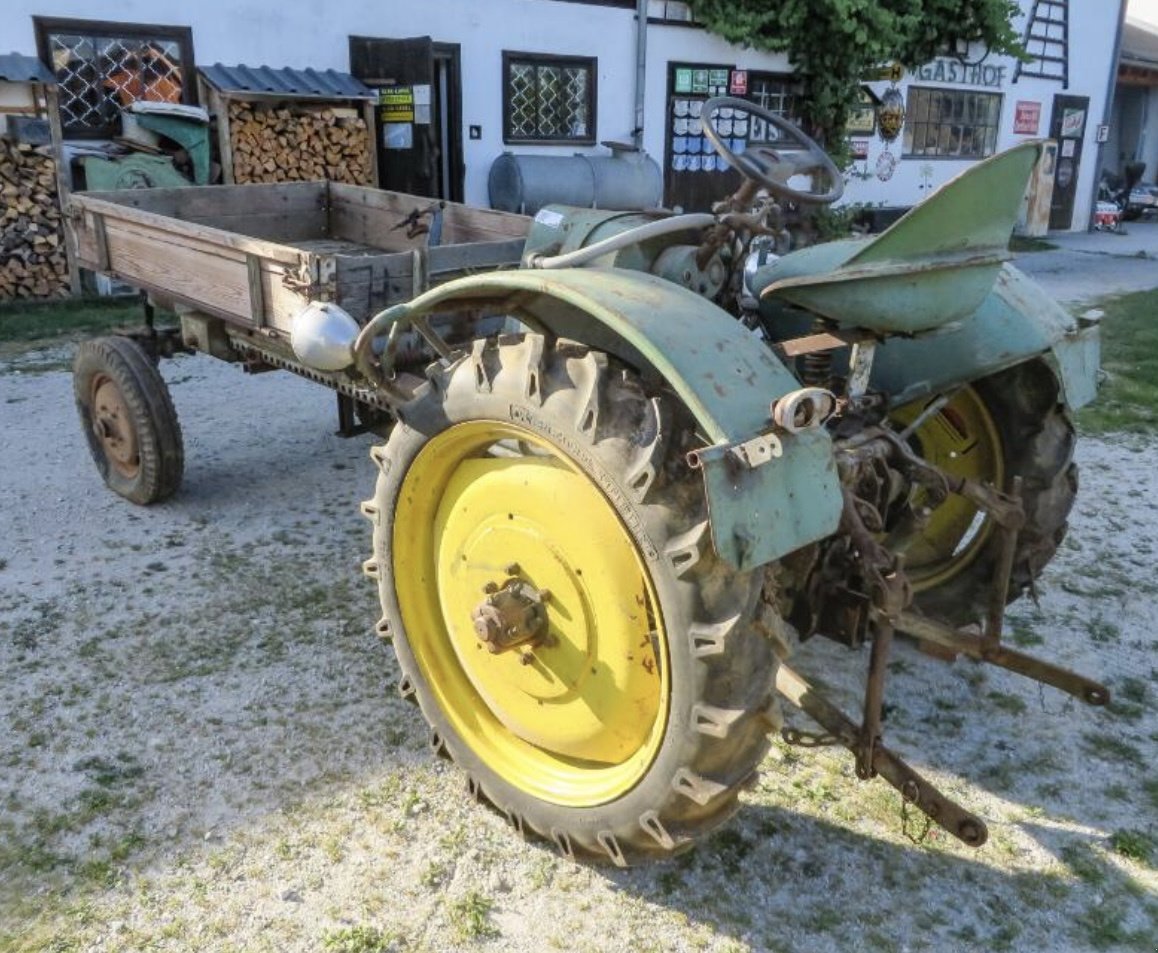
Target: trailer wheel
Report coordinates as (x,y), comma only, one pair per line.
(129,419)
(547,577)
(1005,425)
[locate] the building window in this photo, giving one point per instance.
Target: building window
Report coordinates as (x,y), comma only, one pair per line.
(102,67)
(951,123)
(777,94)
(548,99)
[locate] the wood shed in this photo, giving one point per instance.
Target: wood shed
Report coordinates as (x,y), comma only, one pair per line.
(289,125)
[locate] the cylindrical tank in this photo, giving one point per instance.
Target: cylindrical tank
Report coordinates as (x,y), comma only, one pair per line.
(624,180)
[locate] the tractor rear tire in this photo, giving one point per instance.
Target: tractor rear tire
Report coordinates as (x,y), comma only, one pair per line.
(129,419)
(628,731)
(1036,440)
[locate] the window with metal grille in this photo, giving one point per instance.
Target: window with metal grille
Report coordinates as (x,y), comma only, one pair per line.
(777,94)
(951,123)
(548,99)
(102,67)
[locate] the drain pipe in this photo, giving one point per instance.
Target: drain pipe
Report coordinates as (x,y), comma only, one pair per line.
(640,70)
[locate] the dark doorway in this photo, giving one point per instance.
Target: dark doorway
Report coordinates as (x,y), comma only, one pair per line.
(419,115)
(1067,125)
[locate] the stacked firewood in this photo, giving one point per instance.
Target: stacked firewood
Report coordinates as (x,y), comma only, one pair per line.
(32,259)
(281,143)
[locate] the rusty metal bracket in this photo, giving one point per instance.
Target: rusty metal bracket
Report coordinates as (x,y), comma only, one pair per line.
(980,648)
(753,453)
(922,794)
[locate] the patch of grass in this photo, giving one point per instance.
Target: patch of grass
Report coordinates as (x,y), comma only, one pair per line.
(1105,930)
(1113,748)
(52,321)
(470,917)
(1136,845)
(1008,703)
(1128,400)
(359,939)
(1022,244)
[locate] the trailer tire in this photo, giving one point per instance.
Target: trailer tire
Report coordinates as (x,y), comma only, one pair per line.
(630,730)
(129,419)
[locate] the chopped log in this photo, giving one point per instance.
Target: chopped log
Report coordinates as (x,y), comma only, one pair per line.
(296,142)
(32,259)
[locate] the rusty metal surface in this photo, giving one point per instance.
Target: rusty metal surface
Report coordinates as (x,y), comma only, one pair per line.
(975,646)
(917,791)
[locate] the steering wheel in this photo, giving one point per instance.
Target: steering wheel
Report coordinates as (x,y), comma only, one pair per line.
(768,166)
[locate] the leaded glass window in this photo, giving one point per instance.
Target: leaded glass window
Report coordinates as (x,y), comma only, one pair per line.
(548,98)
(103,67)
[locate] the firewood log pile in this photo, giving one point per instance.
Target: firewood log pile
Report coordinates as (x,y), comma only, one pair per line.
(32,258)
(283,143)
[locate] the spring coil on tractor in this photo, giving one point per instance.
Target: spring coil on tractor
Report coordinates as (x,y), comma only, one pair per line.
(816,366)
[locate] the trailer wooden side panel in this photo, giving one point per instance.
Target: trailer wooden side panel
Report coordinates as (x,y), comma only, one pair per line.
(247,281)
(255,255)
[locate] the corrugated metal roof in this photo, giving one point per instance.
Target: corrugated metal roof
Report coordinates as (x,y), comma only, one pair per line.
(321,84)
(18,68)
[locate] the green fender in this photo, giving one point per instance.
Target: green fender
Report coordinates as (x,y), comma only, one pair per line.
(762,505)
(1017,321)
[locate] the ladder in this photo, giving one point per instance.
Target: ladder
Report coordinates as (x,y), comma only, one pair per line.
(1047,40)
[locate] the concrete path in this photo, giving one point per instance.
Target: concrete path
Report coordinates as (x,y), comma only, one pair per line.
(1086,266)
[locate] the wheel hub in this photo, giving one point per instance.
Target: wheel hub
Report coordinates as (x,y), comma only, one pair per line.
(110,423)
(511,615)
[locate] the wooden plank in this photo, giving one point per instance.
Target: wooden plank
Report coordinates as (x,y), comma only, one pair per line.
(280,213)
(368,216)
(63,185)
(256,295)
(175,231)
(371,143)
(368,283)
(205,275)
(224,139)
(456,258)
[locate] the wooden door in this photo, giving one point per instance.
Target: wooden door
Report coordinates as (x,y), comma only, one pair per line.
(1067,125)
(409,142)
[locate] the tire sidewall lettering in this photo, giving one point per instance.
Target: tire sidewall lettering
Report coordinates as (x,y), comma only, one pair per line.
(526,417)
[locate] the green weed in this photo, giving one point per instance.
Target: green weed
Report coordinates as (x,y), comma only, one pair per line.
(470,917)
(359,939)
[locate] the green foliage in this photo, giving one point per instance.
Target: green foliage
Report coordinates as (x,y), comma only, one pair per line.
(1128,398)
(470,917)
(834,44)
(358,939)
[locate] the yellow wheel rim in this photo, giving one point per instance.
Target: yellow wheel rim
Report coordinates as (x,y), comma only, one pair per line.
(961,439)
(579,722)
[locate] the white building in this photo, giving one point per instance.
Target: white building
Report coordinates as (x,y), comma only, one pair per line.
(560,76)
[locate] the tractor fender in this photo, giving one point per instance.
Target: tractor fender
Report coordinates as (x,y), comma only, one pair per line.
(768,493)
(1017,321)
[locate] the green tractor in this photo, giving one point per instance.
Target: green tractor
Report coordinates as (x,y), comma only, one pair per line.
(597,533)
(633,474)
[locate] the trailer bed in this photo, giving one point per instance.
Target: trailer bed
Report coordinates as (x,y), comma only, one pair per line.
(255,255)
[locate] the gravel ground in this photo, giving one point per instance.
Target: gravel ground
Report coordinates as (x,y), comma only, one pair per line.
(203,748)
